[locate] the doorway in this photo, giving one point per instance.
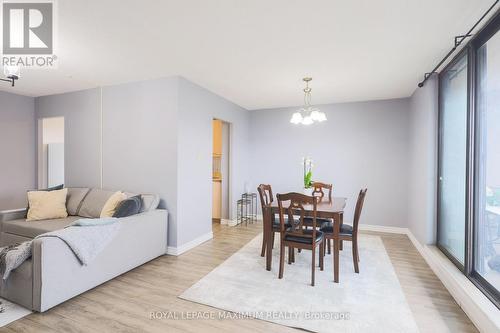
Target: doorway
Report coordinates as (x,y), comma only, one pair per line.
(50,152)
(220,172)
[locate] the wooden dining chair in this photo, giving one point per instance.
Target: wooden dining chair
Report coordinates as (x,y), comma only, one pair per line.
(266,198)
(348,232)
(319,192)
(298,235)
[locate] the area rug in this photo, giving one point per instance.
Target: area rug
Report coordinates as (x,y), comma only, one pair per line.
(10,312)
(371,301)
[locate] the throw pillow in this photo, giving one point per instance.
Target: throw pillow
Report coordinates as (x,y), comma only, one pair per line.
(47,205)
(128,207)
(53,188)
(110,206)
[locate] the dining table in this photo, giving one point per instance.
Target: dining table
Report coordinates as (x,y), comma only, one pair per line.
(325,209)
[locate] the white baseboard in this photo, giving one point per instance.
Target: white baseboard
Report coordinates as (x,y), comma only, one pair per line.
(480,310)
(234,222)
(226,221)
(175,251)
(230,223)
(382,228)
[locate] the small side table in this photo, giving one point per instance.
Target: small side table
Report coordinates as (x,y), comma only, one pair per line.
(247,208)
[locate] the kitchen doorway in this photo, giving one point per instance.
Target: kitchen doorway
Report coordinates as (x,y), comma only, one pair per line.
(221,208)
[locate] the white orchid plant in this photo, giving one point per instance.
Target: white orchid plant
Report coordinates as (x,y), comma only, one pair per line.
(308,166)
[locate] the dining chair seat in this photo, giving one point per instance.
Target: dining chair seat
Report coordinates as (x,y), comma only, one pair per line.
(306,239)
(319,221)
(345,229)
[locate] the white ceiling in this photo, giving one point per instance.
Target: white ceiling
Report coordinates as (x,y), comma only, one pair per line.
(255,52)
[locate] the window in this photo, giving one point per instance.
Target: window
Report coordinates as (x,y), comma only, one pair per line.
(469,160)
(452,158)
(487,218)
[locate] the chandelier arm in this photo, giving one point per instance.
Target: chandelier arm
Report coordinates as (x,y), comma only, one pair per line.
(11,81)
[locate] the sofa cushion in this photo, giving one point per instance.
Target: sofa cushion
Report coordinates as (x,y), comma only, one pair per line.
(75,199)
(48,189)
(94,202)
(47,204)
(112,203)
(32,229)
(129,207)
(149,202)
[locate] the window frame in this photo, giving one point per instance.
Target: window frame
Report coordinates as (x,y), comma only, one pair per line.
(481,38)
(472,161)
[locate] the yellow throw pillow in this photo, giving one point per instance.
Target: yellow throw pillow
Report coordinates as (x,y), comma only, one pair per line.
(47,205)
(110,206)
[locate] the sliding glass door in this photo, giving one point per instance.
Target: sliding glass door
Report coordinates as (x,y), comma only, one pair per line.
(486,246)
(453,124)
(469,160)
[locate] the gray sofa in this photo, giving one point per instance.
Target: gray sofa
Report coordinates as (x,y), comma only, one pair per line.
(54,274)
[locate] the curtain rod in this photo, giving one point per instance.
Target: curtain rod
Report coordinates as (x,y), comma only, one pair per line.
(458,41)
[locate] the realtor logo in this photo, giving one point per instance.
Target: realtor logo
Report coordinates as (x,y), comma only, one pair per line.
(27,28)
(29,34)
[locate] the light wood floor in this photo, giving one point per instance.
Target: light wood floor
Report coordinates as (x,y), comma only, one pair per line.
(125,303)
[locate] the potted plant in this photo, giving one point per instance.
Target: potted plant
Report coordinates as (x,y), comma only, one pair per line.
(308,165)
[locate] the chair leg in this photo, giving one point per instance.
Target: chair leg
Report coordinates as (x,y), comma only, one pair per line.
(293,254)
(329,244)
(290,249)
(355,256)
(322,255)
(263,251)
(282,261)
(272,238)
(357,249)
(313,266)
(341,245)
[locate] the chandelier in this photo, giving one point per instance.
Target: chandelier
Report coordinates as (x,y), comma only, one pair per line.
(308,114)
(12,73)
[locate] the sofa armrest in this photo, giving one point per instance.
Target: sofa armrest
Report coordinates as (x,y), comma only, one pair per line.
(13,214)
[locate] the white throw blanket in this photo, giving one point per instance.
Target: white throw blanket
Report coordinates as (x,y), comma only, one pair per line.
(85,237)
(85,240)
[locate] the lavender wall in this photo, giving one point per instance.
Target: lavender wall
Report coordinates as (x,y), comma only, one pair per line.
(362,144)
(423,162)
(17,149)
(197,108)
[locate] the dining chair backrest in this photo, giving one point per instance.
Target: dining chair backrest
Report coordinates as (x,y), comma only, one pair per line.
(358,209)
(292,205)
(318,190)
(265,194)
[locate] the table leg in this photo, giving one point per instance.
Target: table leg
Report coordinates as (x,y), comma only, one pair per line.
(269,245)
(341,243)
(336,246)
